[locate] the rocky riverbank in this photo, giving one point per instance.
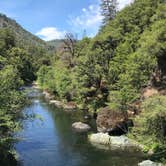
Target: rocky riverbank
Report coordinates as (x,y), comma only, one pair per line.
(111,127)
(70,106)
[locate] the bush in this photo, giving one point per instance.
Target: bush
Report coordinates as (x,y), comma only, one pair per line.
(150,125)
(56,79)
(11,101)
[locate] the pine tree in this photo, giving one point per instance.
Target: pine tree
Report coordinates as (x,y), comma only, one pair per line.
(108,10)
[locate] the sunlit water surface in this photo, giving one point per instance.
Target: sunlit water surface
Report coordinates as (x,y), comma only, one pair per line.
(52,142)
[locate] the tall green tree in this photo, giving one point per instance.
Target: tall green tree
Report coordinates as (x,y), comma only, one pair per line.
(108,10)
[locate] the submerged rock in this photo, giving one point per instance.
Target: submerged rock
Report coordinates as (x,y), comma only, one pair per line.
(115,142)
(149,163)
(81,127)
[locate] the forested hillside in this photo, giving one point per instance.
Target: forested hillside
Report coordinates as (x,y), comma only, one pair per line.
(123,58)
(114,68)
(25,38)
(22,36)
(55,44)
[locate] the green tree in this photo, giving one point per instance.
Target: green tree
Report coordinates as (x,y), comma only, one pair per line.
(108,10)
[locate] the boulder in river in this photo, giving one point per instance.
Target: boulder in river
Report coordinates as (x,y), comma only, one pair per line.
(149,163)
(114,122)
(57,103)
(115,142)
(47,95)
(70,106)
(81,127)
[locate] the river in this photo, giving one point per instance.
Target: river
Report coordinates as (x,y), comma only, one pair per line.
(52,142)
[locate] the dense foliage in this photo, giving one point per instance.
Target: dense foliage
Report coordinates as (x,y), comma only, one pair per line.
(22,36)
(112,68)
(18,66)
(150,126)
(121,59)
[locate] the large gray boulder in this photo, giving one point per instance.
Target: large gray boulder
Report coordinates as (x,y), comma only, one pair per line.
(100,138)
(149,163)
(115,142)
(81,127)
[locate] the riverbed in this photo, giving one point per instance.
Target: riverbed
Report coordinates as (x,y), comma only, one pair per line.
(50,141)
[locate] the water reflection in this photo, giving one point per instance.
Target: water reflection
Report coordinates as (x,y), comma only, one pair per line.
(52,142)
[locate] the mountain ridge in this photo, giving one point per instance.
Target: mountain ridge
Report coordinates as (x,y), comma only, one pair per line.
(24,37)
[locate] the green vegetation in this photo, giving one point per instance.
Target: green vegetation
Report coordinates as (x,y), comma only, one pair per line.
(18,67)
(120,60)
(150,126)
(11,100)
(112,68)
(22,36)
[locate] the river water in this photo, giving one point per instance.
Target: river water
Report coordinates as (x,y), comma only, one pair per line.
(52,142)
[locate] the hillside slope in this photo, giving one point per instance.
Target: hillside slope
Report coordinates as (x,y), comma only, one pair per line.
(25,38)
(55,44)
(22,35)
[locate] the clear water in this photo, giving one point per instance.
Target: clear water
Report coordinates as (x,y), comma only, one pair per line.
(52,142)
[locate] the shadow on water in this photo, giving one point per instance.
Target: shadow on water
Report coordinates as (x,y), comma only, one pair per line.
(52,142)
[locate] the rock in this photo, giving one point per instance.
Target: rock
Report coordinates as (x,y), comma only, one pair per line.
(151,152)
(48,95)
(58,104)
(81,127)
(115,142)
(67,107)
(70,106)
(87,117)
(148,92)
(112,121)
(35,85)
(100,138)
(149,163)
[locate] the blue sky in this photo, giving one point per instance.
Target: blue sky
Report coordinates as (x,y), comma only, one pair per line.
(51,19)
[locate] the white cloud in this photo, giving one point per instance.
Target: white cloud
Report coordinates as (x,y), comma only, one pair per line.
(50,33)
(90,19)
(123,3)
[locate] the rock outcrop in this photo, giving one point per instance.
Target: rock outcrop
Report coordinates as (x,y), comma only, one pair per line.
(149,163)
(113,122)
(81,127)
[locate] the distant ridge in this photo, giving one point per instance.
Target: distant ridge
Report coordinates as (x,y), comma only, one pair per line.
(24,37)
(55,43)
